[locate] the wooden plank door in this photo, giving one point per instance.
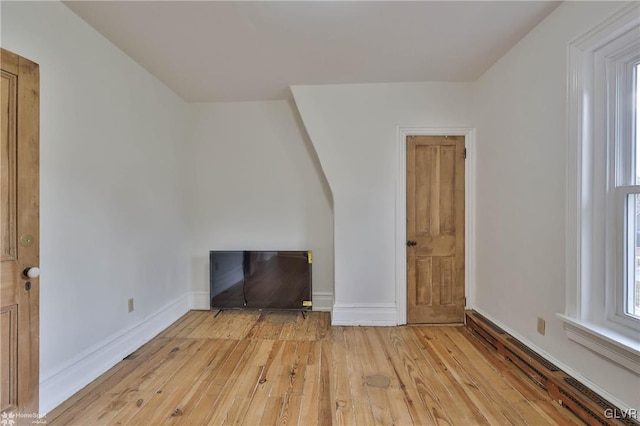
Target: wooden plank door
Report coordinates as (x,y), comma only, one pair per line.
(435,229)
(19,236)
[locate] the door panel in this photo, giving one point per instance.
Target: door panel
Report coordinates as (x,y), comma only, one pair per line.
(8,104)
(435,221)
(9,356)
(19,234)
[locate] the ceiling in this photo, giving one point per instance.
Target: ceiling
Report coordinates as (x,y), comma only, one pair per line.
(209,51)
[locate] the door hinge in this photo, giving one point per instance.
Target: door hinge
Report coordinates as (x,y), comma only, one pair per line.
(465,153)
(465,302)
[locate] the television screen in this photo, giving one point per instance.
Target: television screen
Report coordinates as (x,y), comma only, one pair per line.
(260,279)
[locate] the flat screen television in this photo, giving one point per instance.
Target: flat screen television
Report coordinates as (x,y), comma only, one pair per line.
(260,279)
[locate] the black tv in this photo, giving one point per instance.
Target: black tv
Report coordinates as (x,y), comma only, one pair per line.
(272,280)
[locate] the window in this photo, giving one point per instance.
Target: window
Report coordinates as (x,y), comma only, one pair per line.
(632,298)
(621,73)
(603,175)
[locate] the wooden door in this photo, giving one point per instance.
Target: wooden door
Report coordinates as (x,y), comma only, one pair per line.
(19,239)
(435,229)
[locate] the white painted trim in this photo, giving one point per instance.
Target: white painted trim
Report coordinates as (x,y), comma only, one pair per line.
(469,134)
(322,301)
(564,367)
(199,301)
(85,367)
(619,348)
(574,217)
(584,250)
(590,241)
(376,314)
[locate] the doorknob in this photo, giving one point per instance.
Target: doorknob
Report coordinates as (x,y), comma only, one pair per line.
(411,243)
(31,272)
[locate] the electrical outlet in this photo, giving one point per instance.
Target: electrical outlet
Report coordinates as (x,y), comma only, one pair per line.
(541,325)
(130,305)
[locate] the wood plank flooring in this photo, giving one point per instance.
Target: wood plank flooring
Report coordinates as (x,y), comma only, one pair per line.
(259,368)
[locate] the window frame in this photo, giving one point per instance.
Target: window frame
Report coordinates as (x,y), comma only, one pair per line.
(597,140)
(619,65)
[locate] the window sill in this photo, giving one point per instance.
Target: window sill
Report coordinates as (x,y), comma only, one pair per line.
(614,345)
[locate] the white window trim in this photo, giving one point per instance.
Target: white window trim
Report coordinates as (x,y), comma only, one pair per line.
(618,68)
(590,308)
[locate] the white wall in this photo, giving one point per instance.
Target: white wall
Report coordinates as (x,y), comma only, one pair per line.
(353,129)
(520,106)
(113,221)
(256,184)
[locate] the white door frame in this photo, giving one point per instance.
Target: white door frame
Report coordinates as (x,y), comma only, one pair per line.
(401,211)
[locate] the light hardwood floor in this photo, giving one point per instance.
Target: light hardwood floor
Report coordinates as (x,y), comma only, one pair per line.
(257,368)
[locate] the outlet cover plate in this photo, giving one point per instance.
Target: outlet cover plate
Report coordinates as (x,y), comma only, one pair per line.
(541,325)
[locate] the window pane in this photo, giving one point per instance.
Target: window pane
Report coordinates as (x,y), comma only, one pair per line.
(636,134)
(633,214)
(633,256)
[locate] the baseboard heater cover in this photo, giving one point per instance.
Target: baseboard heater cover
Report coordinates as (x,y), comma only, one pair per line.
(563,388)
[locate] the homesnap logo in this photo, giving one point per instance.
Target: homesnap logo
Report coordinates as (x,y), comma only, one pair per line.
(10,419)
(7,419)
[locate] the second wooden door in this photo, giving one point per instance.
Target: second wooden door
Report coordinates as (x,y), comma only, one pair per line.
(435,229)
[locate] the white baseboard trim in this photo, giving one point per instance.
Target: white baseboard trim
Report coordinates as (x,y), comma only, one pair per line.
(81,370)
(322,301)
(199,301)
(376,314)
(591,385)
